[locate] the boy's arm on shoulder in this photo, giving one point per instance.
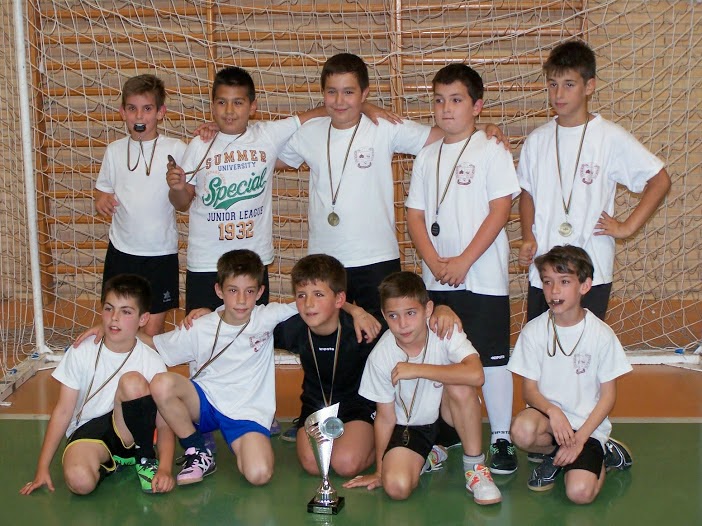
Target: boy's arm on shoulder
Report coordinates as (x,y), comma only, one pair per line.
(312,113)
(435,134)
(367,327)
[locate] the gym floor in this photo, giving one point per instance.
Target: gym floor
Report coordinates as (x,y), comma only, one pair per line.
(663,487)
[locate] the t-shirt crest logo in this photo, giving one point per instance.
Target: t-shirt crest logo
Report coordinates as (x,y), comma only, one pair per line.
(363,157)
(464,173)
(581,362)
(257,341)
(589,172)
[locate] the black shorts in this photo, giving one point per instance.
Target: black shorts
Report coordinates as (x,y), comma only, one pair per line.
(347,413)
(421,439)
(362,284)
(595,301)
(160,271)
(591,458)
(102,430)
(486,322)
(200,290)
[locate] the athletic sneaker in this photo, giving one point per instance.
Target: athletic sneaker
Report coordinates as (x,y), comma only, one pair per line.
(479,483)
(544,475)
(146,470)
(122,462)
(503,457)
(275,427)
(290,434)
(435,460)
(617,455)
(197,464)
(536,458)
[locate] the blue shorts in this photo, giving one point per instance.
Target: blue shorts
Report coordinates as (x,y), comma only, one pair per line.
(211,420)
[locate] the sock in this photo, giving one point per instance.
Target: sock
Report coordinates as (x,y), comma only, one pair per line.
(195,440)
(469,462)
(497,391)
(140,418)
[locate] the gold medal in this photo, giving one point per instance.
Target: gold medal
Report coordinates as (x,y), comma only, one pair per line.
(333,219)
(566,229)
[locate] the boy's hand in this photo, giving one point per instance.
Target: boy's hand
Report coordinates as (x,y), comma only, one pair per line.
(375,113)
(561,428)
(371,481)
(454,271)
(493,131)
(404,371)
(207,131)
(608,226)
(96,331)
(567,454)
(175,176)
(105,204)
(366,326)
(40,479)
(192,316)
(163,481)
(443,320)
(527,252)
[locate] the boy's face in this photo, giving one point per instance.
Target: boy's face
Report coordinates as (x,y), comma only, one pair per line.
(232,109)
(563,292)
(455,111)
(567,94)
(239,295)
(319,306)
(121,320)
(343,99)
(141,109)
(407,320)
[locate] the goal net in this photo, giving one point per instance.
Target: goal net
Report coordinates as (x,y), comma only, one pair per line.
(79,53)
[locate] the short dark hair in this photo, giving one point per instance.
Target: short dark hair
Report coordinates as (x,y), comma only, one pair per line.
(142,84)
(575,55)
(463,74)
(234,76)
(346,63)
(567,259)
(129,286)
(242,262)
(403,285)
(319,267)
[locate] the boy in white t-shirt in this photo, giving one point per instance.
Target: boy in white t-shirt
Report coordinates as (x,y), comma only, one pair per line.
(105,407)
(569,169)
(569,360)
(233,385)
(413,375)
(132,190)
(458,205)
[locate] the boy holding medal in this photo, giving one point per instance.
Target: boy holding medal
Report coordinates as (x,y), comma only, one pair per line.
(569,169)
(458,205)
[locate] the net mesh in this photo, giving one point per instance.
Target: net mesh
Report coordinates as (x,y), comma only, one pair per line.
(81,52)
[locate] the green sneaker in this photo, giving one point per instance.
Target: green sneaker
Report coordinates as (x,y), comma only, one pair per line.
(122,462)
(146,471)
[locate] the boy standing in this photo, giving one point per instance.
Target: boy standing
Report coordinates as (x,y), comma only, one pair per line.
(569,169)
(571,387)
(459,202)
(233,386)
(105,407)
(132,190)
(412,375)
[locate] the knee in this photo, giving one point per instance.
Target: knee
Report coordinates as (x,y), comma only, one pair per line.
(398,488)
(258,474)
(132,385)
(347,464)
(308,463)
(461,394)
(523,433)
(80,479)
(581,492)
(160,386)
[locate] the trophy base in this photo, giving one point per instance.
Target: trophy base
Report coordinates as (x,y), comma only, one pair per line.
(325,509)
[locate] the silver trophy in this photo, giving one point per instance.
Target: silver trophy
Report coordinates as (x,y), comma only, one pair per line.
(322,428)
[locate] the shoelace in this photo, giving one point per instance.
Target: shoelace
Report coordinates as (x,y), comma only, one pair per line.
(188,461)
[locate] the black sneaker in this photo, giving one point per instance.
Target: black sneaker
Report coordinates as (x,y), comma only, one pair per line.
(544,475)
(617,455)
(536,458)
(290,434)
(503,457)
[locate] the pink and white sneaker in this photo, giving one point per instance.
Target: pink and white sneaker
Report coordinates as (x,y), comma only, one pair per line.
(479,483)
(197,464)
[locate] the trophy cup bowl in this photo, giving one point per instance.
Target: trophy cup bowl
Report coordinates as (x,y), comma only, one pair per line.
(322,428)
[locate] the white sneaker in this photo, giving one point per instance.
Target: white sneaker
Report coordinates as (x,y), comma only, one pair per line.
(479,483)
(435,460)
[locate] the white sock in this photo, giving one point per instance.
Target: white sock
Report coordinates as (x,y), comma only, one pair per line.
(469,462)
(497,391)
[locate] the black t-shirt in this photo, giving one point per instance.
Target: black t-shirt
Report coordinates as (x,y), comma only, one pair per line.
(291,335)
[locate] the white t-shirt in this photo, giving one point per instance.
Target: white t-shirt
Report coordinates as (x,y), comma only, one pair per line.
(233,205)
(240,384)
(144,223)
(484,172)
(78,367)
(366,231)
(571,383)
(376,383)
(610,155)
